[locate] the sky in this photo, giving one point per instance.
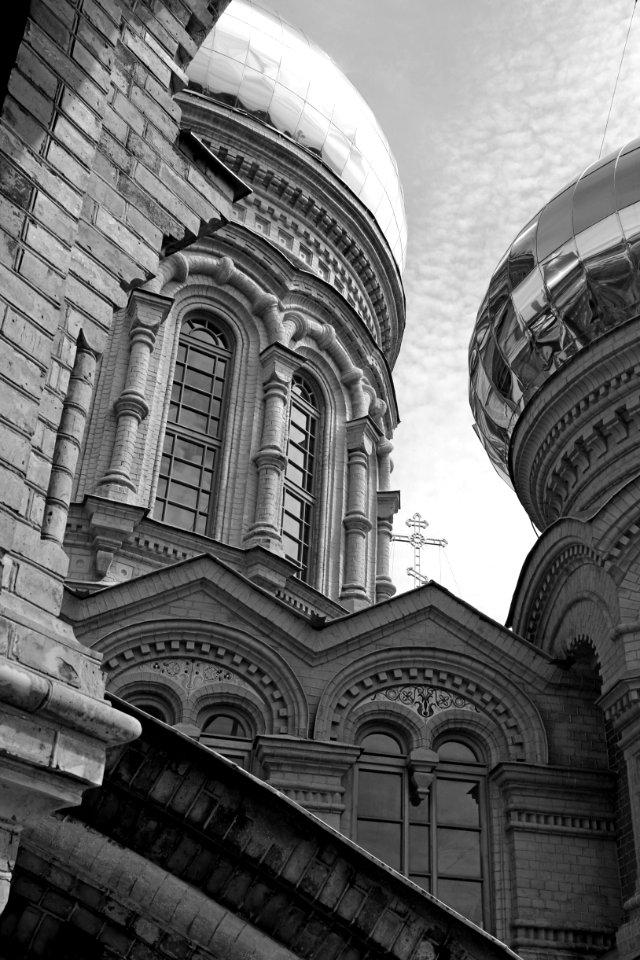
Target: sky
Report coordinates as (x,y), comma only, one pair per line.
(490,107)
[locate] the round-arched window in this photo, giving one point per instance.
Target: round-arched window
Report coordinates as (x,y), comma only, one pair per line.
(437,839)
(195,426)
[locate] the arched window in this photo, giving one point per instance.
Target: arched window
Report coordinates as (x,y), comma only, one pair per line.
(153,707)
(300,482)
(436,839)
(229,732)
(195,426)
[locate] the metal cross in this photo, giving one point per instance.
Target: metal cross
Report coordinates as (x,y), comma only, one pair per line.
(416,524)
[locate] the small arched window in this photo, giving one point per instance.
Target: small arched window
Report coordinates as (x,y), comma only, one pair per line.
(230,732)
(195,426)
(437,840)
(299,497)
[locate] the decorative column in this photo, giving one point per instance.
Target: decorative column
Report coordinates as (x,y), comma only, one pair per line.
(361,437)
(278,365)
(388,506)
(68,442)
(146,312)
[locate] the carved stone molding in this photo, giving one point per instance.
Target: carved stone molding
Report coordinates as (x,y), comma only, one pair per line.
(448,683)
(570,558)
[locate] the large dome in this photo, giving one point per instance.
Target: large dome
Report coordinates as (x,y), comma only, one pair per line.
(256,62)
(569,276)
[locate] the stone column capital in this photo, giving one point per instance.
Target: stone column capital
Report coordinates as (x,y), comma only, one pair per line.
(146,311)
(362,434)
(279,363)
(388,504)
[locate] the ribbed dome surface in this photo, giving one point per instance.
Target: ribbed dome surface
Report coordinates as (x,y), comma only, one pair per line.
(569,276)
(256,62)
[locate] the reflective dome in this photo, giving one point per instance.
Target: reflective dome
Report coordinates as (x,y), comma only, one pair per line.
(255,61)
(570,275)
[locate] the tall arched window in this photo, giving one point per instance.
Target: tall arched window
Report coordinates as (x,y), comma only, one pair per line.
(195,426)
(299,484)
(435,839)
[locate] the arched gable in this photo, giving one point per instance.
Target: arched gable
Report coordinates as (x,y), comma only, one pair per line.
(430,682)
(195,657)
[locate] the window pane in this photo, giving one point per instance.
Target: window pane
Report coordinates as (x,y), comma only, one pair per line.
(458,802)
(381,743)
(424,882)
(380,795)
(185,472)
(224,726)
(196,399)
(188,451)
(202,361)
(419,857)
(458,852)
(186,496)
(465,896)
(201,381)
(456,751)
(179,517)
(192,420)
(383,840)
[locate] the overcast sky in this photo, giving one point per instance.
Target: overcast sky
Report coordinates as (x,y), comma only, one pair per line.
(490,106)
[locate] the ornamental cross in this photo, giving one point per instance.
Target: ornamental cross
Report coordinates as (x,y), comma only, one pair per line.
(417,540)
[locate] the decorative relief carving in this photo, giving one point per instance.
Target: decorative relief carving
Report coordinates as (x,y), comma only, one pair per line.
(192,674)
(425,700)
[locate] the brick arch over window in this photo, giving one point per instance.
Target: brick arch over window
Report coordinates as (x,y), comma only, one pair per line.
(142,687)
(482,730)
(584,614)
(494,695)
(191,646)
(214,698)
(391,716)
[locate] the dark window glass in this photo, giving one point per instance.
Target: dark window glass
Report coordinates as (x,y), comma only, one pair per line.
(458,801)
(439,842)
(152,709)
(195,426)
(458,752)
(223,725)
(380,743)
(299,485)
(464,896)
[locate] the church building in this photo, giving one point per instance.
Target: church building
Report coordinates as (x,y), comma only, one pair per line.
(202,305)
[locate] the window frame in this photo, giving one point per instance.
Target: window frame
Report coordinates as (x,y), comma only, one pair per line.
(309,497)
(445,771)
(176,431)
(237,749)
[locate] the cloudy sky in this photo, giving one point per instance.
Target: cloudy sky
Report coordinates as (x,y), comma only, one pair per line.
(490,106)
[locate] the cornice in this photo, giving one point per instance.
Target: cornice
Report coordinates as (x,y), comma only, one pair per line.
(266,160)
(576,439)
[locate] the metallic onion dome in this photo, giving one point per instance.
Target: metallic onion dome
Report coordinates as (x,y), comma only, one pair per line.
(254,61)
(569,276)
